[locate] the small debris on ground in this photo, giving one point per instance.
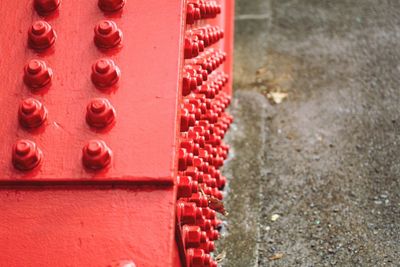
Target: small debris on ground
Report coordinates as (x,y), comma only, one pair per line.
(275,217)
(220,257)
(277,97)
(276,256)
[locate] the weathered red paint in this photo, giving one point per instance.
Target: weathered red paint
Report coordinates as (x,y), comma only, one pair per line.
(104,130)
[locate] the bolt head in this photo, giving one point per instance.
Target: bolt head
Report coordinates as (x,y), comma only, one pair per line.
(31,113)
(107,35)
(196,257)
(34,67)
(187,212)
(37,74)
(46,6)
(41,35)
(100,113)
(209,246)
(96,155)
(213,235)
(26,155)
(111,5)
(191,235)
(186,186)
(105,73)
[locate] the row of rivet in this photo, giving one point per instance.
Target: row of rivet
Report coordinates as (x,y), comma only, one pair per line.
(45,7)
(100,113)
(199,183)
(202,153)
(204,123)
(198,39)
(26,155)
(196,72)
(201,9)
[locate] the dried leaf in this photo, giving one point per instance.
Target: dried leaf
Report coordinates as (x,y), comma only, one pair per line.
(217,205)
(277,97)
(214,203)
(276,256)
(220,257)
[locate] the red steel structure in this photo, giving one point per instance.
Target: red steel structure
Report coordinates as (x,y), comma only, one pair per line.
(113,117)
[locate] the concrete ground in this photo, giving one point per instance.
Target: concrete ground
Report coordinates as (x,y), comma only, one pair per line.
(314,180)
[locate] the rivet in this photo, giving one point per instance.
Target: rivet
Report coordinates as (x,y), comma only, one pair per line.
(102,66)
(37,74)
(192,235)
(186,186)
(34,67)
(111,5)
(105,73)
(31,113)
(197,257)
(105,27)
(41,35)
(26,155)
(46,6)
(100,113)
(96,155)
(187,212)
(107,35)
(38,27)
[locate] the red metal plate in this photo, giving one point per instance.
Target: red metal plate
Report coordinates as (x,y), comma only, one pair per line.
(143,139)
(88,226)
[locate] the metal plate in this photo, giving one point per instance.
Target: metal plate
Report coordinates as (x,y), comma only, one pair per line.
(143,139)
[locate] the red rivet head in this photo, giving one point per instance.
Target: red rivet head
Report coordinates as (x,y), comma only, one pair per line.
(46,6)
(41,35)
(107,35)
(111,5)
(188,212)
(38,28)
(37,74)
(102,66)
(31,113)
(34,67)
(96,155)
(196,257)
(213,235)
(208,247)
(105,27)
(191,235)
(105,73)
(100,113)
(26,155)
(186,186)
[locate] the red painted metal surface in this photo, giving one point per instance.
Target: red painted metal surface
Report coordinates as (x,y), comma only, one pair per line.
(86,226)
(145,98)
(113,117)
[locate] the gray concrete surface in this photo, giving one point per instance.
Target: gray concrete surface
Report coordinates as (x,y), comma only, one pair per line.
(326,160)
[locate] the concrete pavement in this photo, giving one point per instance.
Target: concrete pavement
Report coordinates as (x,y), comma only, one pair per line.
(315,179)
